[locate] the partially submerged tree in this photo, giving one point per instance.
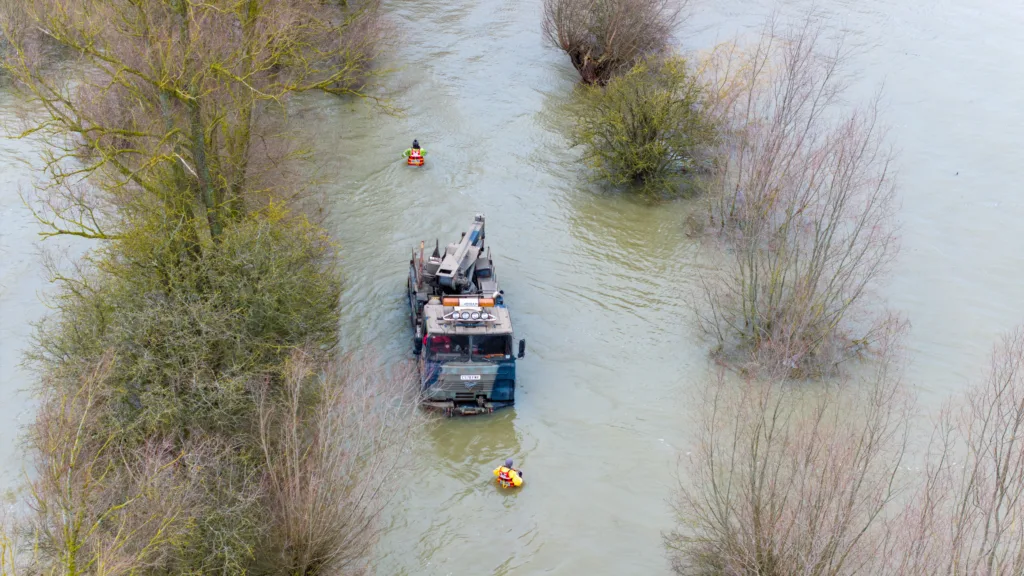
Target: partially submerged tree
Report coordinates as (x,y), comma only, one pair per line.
(968,516)
(162,109)
(331,466)
(605,37)
(804,200)
(646,125)
(786,480)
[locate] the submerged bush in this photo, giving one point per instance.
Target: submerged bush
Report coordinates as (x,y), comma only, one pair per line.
(966,516)
(644,126)
(606,37)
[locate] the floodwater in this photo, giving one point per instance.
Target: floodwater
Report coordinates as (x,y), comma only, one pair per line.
(22,286)
(20,279)
(597,281)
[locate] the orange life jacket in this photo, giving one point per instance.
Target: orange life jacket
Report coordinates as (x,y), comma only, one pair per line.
(415,157)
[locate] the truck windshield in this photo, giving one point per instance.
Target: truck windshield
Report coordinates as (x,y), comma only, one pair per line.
(489,346)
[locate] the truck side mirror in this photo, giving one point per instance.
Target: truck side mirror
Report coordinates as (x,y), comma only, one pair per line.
(522,348)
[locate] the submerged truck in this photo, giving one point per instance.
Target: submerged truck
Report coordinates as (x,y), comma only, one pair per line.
(463,333)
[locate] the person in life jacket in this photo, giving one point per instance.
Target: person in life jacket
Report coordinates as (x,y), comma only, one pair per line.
(509,476)
(414,156)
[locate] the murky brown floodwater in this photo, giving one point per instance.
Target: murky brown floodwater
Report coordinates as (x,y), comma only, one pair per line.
(596,281)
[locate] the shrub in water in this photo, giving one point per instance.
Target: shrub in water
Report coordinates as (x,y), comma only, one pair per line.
(645,126)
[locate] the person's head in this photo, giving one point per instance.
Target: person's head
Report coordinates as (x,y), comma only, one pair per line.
(508,463)
(416,144)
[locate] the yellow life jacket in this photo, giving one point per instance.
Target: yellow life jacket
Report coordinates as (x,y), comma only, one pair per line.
(508,477)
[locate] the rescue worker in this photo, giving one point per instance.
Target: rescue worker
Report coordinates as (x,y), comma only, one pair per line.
(415,154)
(508,476)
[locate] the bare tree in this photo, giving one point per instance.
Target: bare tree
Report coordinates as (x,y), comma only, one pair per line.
(803,199)
(330,465)
(967,515)
(15,29)
(605,37)
(788,481)
(162,109)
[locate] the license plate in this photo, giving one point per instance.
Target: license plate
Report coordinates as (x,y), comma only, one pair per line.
(470,376)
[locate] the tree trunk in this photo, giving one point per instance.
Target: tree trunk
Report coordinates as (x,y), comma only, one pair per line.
(585,65)
(206,188)
(198,134)
(243,136)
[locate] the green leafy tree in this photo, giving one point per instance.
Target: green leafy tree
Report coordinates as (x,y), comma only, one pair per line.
(645,126)
(191,333)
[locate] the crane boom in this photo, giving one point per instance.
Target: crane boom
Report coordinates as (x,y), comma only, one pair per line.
(454,271)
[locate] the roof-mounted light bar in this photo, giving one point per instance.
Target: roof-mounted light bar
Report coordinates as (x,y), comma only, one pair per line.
(471,316)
